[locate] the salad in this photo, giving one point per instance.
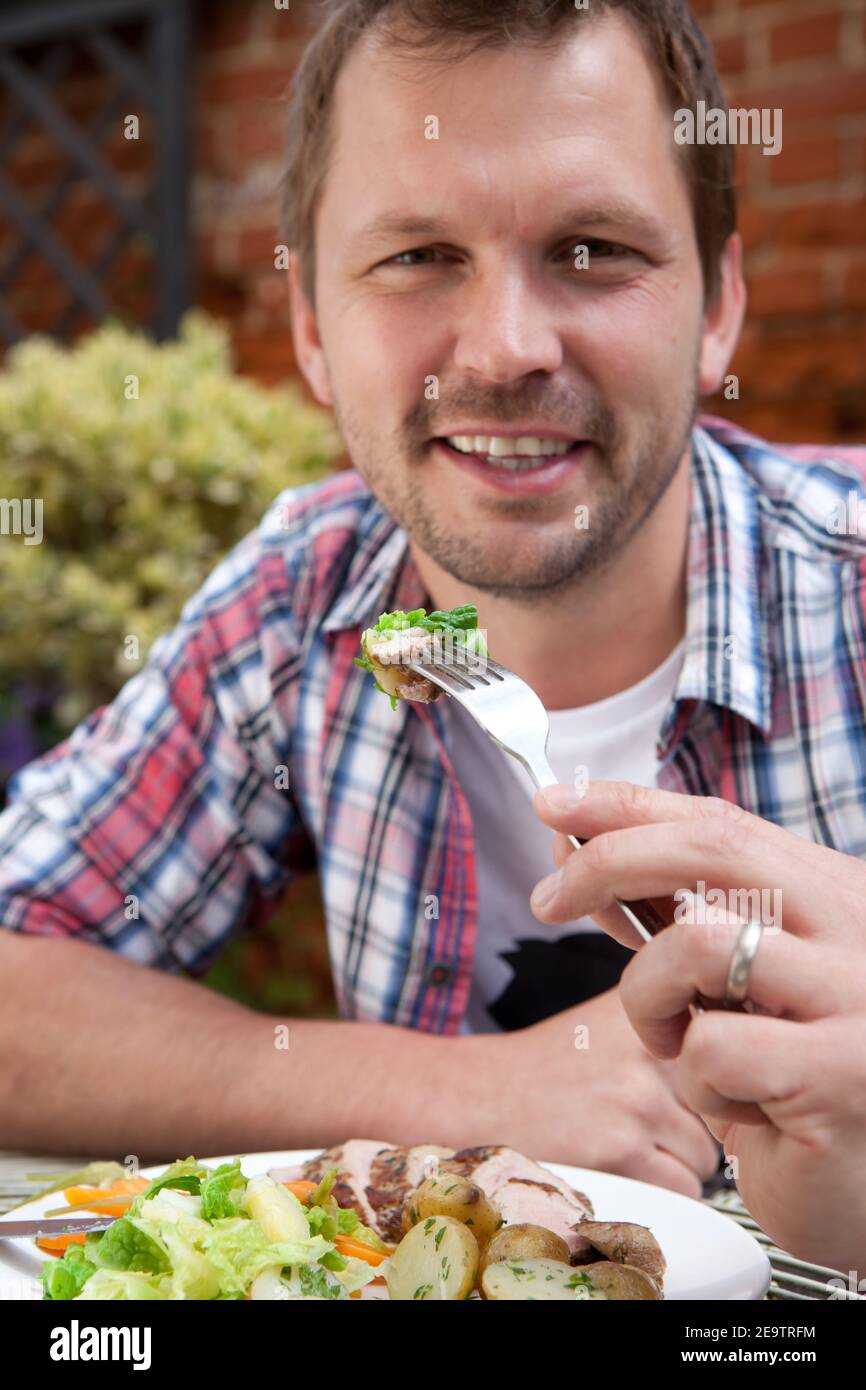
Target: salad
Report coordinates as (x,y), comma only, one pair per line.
(401,638)
(211,1233)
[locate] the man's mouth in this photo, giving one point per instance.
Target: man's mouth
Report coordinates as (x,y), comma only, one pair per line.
(519,465)
(521,454)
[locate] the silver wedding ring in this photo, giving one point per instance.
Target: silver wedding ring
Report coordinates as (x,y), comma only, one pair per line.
(744,954)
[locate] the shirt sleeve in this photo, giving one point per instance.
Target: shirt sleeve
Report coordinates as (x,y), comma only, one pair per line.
(166,822)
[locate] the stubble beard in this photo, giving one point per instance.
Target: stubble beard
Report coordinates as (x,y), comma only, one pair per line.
(631,480)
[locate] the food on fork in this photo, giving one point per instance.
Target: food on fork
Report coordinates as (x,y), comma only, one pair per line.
(400,638)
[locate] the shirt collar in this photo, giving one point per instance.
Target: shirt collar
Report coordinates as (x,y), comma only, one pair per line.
(726,646)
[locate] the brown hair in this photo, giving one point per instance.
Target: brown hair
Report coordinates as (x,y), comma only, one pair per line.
(450,29)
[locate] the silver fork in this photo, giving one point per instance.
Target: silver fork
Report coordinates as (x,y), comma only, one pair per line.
(512,715)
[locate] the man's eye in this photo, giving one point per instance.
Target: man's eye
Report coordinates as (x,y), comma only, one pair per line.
(402,256)
(598,250)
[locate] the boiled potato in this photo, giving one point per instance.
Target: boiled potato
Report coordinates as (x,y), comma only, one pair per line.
(535,1279)
(446,1194)
(618,1281)
(436,1261)
(524,1242)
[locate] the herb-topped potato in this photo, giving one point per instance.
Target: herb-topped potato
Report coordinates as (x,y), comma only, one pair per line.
(400,638)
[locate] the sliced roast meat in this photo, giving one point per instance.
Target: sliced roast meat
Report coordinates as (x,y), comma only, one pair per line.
(393,1174)
(373,1178)
(525,1201)
(494,1165)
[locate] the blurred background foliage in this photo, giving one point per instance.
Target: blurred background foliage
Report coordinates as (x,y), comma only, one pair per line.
(151,461)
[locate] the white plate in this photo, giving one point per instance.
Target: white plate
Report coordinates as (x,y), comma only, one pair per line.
(709,1256)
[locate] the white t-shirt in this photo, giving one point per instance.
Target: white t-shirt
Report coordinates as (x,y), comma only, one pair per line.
(524,971)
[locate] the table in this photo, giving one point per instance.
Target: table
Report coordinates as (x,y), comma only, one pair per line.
(792,1278)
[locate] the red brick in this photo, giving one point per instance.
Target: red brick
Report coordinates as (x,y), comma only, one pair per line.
(854,289)
(258,134)
(805,38)
(757,225)
(797,290)
(835,93)
(256,248)
(269,357)
(246,83)
(792,422)
(777,363)
(805,161)
(730,53)
(227,26)
(824,224)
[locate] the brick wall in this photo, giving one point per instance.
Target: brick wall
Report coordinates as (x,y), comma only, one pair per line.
(802,358)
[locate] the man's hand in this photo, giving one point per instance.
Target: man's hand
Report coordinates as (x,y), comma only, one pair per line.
(783,1089)
(582,1088)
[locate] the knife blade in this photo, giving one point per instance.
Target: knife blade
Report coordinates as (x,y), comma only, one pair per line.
(54,1226)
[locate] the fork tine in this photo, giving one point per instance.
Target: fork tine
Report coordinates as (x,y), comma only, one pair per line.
(449,681)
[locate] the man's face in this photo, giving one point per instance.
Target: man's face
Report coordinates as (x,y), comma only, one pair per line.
(452,265)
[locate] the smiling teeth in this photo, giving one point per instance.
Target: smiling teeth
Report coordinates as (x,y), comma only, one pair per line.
(505,448)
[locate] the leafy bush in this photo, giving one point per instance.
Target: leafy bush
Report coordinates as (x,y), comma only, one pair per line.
(141,497)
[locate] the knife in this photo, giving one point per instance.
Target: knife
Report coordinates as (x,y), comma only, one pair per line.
(54,1226)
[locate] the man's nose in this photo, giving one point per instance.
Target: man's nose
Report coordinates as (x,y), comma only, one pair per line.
(507,328)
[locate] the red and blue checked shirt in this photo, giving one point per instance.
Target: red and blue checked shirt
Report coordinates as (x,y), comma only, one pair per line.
(251,748)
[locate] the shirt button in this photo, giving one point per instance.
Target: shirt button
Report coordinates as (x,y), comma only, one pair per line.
(439,974)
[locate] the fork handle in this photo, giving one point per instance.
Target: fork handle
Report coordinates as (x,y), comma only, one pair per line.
(645,919)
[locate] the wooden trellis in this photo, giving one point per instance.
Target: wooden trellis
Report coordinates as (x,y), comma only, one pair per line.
(40,42)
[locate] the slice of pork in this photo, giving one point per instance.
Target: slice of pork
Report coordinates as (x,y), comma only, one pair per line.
(522,1200)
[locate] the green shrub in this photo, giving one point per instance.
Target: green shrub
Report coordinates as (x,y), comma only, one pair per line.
(141,497)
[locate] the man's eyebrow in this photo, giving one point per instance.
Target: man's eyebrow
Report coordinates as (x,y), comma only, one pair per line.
(614,212)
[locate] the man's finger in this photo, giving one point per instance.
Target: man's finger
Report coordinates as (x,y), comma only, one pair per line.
(671,859)
(787,976)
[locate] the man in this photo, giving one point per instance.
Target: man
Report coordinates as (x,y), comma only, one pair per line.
(495,237)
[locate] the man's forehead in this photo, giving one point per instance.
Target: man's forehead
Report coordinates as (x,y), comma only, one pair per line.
(521,132)
(599,75)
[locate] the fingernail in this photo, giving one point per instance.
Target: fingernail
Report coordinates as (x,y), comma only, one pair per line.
(563,796)
(545,891)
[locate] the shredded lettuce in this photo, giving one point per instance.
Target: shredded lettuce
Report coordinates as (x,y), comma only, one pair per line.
(127,1244)
(62,1279)
(222,1192)
(130,1285)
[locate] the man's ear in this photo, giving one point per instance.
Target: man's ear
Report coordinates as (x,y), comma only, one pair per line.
(723,318)
(305,336)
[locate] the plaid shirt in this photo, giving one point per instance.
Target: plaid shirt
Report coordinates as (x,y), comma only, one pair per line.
(251,748)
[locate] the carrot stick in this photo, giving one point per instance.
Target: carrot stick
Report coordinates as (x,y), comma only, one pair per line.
(58,1245)
(112,1201)
(301,1187)
(356,1250)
